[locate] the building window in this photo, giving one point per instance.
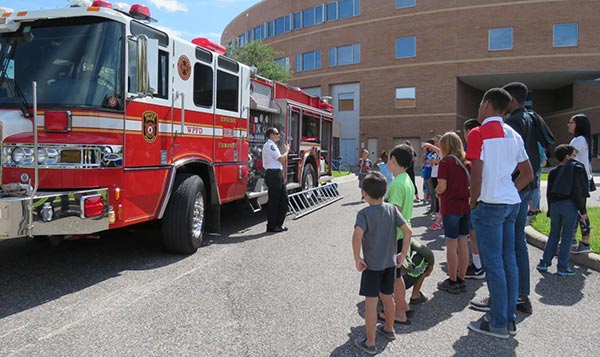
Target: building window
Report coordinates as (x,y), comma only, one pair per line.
(279,26)
(500,38)
(259,32)
(271,28)
(404,3)
(406,47)
(308,17)
(319,14)
(284,62)
(405,97)
(565,35)
(308,61)
(343,55)
(348,8)
(331,11)
(297,23)
(345,102)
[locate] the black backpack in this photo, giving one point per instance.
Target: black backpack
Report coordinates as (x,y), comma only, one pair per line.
(543,132)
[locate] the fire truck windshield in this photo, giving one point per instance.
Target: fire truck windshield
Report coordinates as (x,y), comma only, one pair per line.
(76,63)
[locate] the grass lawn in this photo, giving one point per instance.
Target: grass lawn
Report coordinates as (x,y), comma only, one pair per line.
(544,176)
(338,174)
(542,224)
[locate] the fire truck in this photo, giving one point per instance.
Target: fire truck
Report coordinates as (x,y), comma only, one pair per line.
(108,121)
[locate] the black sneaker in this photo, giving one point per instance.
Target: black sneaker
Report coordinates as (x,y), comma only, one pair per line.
(474,273)
(524,305)
(450,286)
(462,285)
(484,327)
(362,344)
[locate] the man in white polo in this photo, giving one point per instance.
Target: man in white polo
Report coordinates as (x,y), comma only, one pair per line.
(495,149)
(273,163)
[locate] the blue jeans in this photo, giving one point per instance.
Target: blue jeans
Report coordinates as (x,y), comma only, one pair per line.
(521,243)
(563,222)
(536,194)
(495,227)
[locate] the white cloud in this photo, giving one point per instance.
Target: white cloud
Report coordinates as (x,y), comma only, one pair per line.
(170,31)
(4,9)
(169,5)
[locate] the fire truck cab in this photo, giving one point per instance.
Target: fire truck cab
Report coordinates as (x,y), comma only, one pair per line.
(108,121)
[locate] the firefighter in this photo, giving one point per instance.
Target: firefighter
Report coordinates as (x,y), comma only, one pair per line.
(273,163)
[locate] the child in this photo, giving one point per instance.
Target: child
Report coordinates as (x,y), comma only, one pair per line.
(566,194)
(375,233)
(453,189)
(383,168)
(401,194)
(365,165)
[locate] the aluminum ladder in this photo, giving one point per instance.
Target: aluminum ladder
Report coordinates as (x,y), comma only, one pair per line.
(307,201)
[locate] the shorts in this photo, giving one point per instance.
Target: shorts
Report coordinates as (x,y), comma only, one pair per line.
(456,226)
(373,282)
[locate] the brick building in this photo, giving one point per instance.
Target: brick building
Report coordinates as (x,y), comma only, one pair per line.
(402,70)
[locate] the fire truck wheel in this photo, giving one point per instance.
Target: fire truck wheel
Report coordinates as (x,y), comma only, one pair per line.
(183,222)
(309,177)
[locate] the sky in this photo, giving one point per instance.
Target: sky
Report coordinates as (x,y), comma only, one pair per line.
(187,19)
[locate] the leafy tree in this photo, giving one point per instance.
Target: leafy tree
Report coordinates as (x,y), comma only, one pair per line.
(261,56)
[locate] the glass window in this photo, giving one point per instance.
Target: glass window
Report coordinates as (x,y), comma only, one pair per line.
(405,97)
(279,26)
(345,102)
(258,32)
(500,38)
(319,14)
(287,23)
(297,23)
(310,128)
(271,28)
(346,8)
(331,11)
(163,75)
(308,17)
(404,3)
(339,56)
(356,7)
(308,60)
(565,35)
(203,85)
(227,91)
(284,62)
(243,40)
(406,47)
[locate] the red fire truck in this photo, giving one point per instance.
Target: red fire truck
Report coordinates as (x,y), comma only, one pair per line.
(109,122)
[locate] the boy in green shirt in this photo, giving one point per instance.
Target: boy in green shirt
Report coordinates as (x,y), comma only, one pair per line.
(401,194)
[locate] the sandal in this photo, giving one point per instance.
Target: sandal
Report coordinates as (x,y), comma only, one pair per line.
(409,314)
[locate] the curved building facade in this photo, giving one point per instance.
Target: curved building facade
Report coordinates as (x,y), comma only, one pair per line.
(401,70)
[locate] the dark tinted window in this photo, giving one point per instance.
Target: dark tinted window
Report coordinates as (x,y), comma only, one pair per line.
(203,55)
(203,85)
(227,91)
(229,64)
(163,75)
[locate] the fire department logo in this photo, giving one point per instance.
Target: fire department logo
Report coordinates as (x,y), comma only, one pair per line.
(184,68)
(150,126)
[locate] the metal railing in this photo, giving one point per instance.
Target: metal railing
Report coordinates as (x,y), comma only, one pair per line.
(304,202)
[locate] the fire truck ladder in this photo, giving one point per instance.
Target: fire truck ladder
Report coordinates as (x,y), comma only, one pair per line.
(304,202)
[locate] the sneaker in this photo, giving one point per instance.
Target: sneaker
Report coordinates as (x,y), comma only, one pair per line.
(524,305)
(567,272)
(581,248)
(462,286)
(428,212)
(482,304)
(419,300)
(512,325)
(474,273)
(450,286)
(390,335)
(435,226)
(543,267)
(484,327)
(362,344)
(574,244)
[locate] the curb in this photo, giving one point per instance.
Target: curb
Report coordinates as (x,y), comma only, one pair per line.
(537,239)
(343,179)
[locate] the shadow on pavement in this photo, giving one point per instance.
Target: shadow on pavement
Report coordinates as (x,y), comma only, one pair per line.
(35,273)
(475,344)
(561,291)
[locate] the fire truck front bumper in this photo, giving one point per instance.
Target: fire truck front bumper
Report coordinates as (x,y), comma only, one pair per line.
(55,213)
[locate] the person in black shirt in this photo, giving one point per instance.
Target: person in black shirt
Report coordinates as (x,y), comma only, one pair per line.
(566,195)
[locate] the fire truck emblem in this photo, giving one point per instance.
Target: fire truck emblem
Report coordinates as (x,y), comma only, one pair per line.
(150,126)
(113,102)
(184,68)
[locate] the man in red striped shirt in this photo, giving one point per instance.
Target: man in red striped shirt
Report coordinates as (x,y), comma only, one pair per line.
(495,150)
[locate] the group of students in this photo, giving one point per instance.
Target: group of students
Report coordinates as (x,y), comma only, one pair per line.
(484,190)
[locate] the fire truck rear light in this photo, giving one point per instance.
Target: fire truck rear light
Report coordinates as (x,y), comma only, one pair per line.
(92,206)
(59,122)
(100,3)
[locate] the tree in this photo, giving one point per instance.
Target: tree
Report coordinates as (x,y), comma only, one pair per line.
(261,56)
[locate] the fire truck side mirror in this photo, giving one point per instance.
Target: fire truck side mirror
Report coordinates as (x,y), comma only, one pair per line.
(147,65)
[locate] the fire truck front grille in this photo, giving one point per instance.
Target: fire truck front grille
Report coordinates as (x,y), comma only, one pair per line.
(63,156)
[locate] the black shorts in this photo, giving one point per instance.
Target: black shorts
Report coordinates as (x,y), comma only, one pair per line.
(373,282)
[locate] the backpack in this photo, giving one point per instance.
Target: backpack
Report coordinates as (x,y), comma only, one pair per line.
(543,132)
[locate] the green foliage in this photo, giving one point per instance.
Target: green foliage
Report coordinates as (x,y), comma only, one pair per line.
(261,56)
(541,223)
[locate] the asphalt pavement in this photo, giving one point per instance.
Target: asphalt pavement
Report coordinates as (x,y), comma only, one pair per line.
(248,293)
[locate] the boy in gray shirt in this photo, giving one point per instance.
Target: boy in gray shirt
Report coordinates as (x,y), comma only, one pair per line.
(375,233)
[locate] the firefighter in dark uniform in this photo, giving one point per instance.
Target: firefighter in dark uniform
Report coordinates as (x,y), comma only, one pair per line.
(273,163)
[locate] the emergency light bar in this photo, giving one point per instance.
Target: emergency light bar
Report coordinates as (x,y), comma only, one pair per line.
(209,45)
(101,3)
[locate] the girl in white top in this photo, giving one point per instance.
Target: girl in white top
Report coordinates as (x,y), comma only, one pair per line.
(579,126)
